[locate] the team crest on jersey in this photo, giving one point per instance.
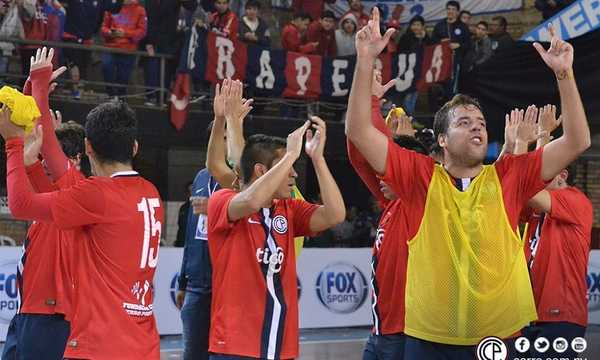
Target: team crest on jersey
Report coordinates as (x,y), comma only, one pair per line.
(280,224)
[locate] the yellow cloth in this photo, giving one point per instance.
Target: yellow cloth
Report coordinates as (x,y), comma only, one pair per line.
(467,275)
(298,241)
(23,108)
(394,112)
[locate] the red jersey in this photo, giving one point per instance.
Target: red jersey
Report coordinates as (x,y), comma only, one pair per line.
(390,251)
(131,20)
(45,273)
(255,298)
(291,40)
(225,24)
(326,39)
(557,251)
(117,224)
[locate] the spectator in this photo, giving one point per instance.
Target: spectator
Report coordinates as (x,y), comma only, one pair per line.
(162,37)
(182,216)
(501,39)
(322,32)
(549,8)
(224,22)
(465,17)
(344,36)
(414,40)
(83,21)
(314,8)
(481,50)
(453,30)
(357,9)
(291,35)
(253,29)
(40,21)
(122,31)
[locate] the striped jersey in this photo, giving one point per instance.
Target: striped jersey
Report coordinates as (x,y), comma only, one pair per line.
(255,301)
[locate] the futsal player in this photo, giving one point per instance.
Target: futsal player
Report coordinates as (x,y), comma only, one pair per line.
(117,218)
(390,252)
(466,276)
(251,241)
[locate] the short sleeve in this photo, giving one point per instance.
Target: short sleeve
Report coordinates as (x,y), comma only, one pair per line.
(524,172)
(82,204)
(302,213)
(218,206)
(406,171)
(571,206)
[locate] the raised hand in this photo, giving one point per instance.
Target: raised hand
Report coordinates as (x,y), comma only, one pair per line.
(219,101)
(33,145)
(369,41)
(559,57)
(402,125)
(43,58)
(8,129)
(547,121)
(315,142)
(510,128)
(527,127)
(294,140)
(377,88)
(236,107)
(56,118)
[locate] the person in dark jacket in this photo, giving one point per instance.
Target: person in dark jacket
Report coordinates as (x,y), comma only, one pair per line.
(182,216)
(322,31)
(162,37)
(453,30)
(501,39)
(83,21)
(413,40)
(253,29)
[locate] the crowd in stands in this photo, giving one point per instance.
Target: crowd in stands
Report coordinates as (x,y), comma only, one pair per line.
(159,27)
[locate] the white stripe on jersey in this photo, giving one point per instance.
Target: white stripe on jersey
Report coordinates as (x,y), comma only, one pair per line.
(271,287)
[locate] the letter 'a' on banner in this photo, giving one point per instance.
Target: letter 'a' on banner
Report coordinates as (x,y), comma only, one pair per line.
(437,65)
(226,59)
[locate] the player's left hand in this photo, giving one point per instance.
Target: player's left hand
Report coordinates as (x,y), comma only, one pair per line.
(315,142)
(377,88)
(237,108)
(527,127)
(7,128)
(559,57)
(402,125)
(179,298)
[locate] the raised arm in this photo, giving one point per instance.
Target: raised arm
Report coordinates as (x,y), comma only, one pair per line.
(547,123)
(236,110)
(371,143)
(576,134)
(333,210)
(41,72)
(215,156)
(261,191)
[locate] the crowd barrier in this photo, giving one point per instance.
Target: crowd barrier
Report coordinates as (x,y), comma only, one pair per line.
(333,285)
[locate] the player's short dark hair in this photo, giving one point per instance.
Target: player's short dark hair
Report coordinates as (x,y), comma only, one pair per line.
(302,16)
(252,4)
(111,129)
(411,143)
(453,3)
(484,23)
(441,121)
(328,14)
(501,20)
(71,136)
(259,149)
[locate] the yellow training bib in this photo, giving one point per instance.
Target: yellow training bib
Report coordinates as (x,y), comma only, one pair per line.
(467,276)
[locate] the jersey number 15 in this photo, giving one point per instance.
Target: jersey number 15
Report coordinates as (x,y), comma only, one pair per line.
(152,230)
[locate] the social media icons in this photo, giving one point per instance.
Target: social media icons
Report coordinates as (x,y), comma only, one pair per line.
(491,348)
(522,344)
(541,344)
(579,345)
(560,345)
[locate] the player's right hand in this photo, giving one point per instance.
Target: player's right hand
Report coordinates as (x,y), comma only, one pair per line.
(179,298)
(43,58)
(295,140)
(369,41)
